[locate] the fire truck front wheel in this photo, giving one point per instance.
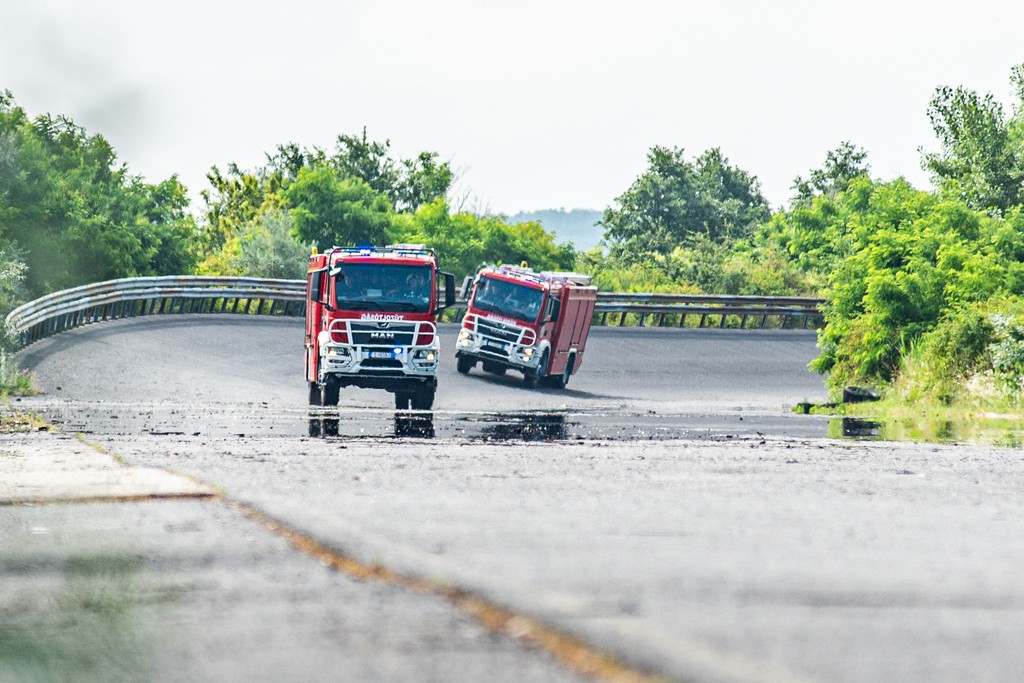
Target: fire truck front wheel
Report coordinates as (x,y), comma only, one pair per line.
(331,392)
(314,394)
(423,399)
(532,377)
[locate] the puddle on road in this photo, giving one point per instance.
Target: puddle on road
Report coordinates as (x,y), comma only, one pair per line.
(553,426)
(854,428)
(263,420)
(420,425)
(411,425)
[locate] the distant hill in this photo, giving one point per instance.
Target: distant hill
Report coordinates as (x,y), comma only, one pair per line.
(578,226)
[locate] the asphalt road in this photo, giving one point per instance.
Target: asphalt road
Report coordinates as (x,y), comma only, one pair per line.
(164,374)
(656,526)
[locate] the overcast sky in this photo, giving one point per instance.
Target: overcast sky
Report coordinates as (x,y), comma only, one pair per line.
(539,104)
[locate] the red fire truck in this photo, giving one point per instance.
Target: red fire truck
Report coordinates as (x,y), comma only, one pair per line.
(535,323)
(371,317)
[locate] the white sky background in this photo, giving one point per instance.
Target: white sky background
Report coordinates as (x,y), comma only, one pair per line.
(539,104)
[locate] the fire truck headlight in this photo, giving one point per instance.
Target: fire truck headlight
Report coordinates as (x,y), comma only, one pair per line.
(323,337)
(426,355)
(525,354)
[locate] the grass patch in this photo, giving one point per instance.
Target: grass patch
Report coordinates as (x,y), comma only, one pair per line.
(13,421)
(12,381)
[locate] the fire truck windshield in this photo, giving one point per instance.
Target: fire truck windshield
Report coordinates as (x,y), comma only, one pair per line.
(508,299)
(382,287)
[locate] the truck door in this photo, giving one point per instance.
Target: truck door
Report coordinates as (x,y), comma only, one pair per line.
(314,313)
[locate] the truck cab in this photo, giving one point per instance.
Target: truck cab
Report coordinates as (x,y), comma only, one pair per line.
(371,322)
(535,323)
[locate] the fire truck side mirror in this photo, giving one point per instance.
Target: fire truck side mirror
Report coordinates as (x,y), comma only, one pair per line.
(316,278)
(467,284)
(449,291)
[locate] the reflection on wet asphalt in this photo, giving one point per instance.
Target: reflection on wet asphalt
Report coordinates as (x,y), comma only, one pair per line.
(261,419)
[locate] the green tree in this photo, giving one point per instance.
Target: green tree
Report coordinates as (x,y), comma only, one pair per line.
(352,195)
(465,240)
(674,200)
(329,210)
(407,183)
(267,248)
(914,257)
(981,155)
(76,214)
(842,165)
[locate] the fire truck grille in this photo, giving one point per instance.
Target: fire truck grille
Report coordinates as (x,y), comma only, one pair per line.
(506,333)
(381,363)
(491,351)
(395,334)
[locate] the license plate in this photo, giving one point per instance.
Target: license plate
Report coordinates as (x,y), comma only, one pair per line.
(497,345)
(380,354)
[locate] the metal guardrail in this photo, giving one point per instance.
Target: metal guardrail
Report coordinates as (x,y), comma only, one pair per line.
(676,308)
(129,297)
(140,296)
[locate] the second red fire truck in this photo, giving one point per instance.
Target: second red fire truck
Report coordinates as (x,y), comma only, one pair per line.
(533,322)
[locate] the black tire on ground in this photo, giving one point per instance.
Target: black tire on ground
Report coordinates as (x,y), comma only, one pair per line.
(532,377)
(423,399)
(559,381)
(494,368)
(314,394)
(464,364)
(331,392)
(402,400)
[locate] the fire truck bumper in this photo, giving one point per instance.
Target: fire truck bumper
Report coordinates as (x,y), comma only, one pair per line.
(506,354)
(381,367)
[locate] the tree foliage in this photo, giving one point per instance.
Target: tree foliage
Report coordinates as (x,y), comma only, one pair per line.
(75,214)
(842,165)
(675,200)
(981,157)
(911,258)
(359,194)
